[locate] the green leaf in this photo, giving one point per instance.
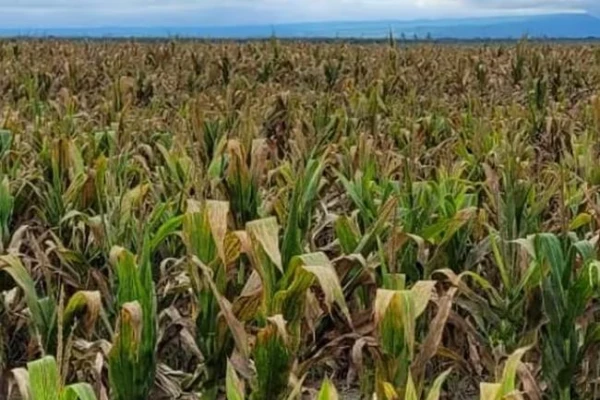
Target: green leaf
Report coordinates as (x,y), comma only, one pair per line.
(235,326)
(436,388)
(6,210)
(273,361)
(394,281)
(6,139)
(132,364)
(347,234)
(328,391)
(411,390)
(395,317)
(509,374)
(369,239)
(130,288)
(131,373)
(170,227)
(579,221)
(44,379)
(300,212)
(197,233)
(78,391)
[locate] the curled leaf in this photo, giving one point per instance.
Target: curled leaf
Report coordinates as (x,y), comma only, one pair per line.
(83,302)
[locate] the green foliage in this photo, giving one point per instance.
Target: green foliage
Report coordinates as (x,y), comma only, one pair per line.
(42,381)
(132,358)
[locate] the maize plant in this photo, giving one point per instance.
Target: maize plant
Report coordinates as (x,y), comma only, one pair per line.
(507,386)
(132,358)
(569,283)
(84,305)
(42,381)
(396,313)
(207,239)
(291,219)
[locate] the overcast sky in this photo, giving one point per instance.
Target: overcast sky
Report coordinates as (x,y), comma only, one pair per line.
(68,13)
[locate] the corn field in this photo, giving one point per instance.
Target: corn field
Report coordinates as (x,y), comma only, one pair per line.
(290,220)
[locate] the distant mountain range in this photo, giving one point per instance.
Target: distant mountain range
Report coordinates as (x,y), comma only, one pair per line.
(566,26)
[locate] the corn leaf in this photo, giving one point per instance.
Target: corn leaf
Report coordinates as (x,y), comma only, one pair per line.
(509,375)
(86,303)
(132,359)
(273,361)
(21,378)
(411,390)
(327,391)
(217,218)
(436,388)
(43,310)
(347,234)
(44,379)
(78,391)
(265,233)
(233,385)
(129,378)
(422,290)
(490,391)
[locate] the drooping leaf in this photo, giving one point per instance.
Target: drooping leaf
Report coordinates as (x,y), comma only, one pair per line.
(83,303)
(265,232)
(43,310)
(432,341)
(321,268)
(78,391)
(170,227)
(423,290)
(579,221)
(235,326)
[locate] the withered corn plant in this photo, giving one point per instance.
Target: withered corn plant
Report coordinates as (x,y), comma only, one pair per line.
(291,220)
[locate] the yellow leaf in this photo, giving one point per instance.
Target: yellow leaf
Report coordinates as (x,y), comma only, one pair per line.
(266,233)
(423,290)
(411,390)
(489,391)
(217,219)
(328,391)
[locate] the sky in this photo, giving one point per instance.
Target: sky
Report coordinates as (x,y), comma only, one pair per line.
(82,13)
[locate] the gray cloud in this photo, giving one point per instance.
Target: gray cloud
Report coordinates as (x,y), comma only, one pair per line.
(37,13)
(534,4)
